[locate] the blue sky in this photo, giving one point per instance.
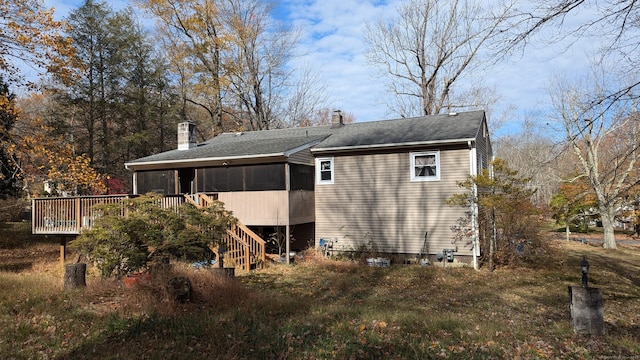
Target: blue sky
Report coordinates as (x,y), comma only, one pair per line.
(332,44)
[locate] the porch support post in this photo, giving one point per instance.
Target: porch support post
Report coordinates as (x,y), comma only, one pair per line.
(63,249)
(288,242)
(287,174)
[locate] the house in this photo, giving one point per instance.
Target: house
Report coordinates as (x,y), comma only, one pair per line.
(379,184)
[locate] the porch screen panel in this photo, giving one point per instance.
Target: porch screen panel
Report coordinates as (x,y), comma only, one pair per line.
(265,177)
(301,177)
(220,179)
(157,181)
(241,178)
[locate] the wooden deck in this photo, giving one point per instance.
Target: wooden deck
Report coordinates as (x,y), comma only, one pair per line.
(71,215)
(67,217)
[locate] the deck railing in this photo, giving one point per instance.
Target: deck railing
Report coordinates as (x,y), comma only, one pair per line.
(72,215)
(201,199)
(244,247)
(66,215)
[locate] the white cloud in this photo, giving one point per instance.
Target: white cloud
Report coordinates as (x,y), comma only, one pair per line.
(334,45)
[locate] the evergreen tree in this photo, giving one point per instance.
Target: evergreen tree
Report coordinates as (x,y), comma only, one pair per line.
(8,117)
(118,109)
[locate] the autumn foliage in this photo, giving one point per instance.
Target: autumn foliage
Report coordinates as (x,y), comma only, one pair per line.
(573,203)
(46,158)
(32,153)
(8,116)
(508,221)
(30,34)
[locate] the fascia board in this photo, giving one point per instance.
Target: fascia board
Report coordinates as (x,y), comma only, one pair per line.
(155,164)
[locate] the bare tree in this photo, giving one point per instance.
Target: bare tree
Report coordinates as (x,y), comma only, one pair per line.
(536,157)
(324,116)
(604,133)
(611,27)
(306,100)
(233,59)
(257,57)
(428,49)
(196,39)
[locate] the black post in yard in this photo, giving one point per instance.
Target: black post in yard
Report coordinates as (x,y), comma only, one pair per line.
(587,305)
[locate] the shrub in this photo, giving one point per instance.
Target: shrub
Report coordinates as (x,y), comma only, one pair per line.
(508,222)
(123,244)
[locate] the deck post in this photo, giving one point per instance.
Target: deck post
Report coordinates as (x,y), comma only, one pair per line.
(78,214)
(63,249)
(287,233)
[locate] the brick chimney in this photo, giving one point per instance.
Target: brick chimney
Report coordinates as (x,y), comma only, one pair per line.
(186,135)
(336,119)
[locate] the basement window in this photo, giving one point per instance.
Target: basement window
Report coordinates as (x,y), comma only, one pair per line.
(425,166)
(324,171)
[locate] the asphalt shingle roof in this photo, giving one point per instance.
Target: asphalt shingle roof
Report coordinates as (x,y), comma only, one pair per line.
(424,129)
(418,130)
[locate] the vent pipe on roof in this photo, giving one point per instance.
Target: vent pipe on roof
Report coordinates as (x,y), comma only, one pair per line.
(186,135)
(337,120)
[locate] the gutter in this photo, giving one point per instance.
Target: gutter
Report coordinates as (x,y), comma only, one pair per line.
(396,145)
(133,165)
(286,154)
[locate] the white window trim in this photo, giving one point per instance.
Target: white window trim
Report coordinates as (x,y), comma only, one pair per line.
(319,180)
(413,166)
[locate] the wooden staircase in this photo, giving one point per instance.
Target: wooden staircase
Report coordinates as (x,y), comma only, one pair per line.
(243,248)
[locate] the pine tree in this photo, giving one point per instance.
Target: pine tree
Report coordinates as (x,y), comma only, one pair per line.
(8,117)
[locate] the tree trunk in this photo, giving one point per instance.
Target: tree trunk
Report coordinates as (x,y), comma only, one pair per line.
(74,275)
(492,242)
(607,217)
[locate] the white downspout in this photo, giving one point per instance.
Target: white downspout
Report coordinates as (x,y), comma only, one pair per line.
(287,231)
(135,183)
(473,171)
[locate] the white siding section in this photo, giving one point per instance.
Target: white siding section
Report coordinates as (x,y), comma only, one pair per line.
(374,200)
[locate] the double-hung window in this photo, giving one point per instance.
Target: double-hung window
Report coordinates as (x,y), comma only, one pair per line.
(324,170)
(425,166)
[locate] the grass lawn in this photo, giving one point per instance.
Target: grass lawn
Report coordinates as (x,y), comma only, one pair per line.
(320,309)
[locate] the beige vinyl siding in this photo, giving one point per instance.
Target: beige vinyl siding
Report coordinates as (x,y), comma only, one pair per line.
(303,157)
(483,148)
(373,201)
(270,208)
(257,208)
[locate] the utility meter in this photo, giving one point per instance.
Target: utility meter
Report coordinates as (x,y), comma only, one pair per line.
(448,254)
